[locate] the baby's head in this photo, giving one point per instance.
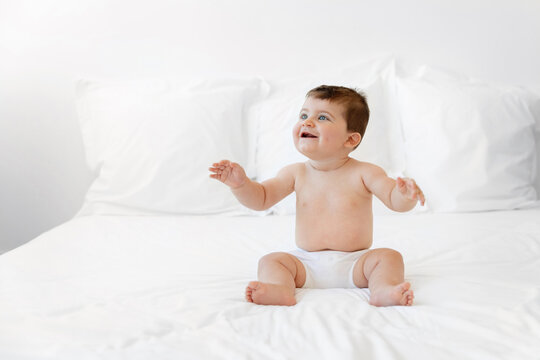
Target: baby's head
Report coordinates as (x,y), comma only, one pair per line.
(355,107)
(338,117)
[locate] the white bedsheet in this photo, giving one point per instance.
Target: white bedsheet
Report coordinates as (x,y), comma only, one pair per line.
(173,288)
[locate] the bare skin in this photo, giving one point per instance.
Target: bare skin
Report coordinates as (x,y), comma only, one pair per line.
(333,209)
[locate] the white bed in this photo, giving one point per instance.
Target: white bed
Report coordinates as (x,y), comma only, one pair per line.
(127,287)
(155,264)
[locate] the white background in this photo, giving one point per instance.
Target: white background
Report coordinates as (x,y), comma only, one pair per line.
(45,45)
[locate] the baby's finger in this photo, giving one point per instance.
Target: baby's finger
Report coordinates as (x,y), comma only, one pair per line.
(411,184)
(417,195)
(422,199)
(220,164)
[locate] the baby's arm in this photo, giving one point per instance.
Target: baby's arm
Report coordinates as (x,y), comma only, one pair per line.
(398,195)
(254,195)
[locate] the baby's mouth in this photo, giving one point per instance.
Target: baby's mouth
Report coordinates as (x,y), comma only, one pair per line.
(305,134)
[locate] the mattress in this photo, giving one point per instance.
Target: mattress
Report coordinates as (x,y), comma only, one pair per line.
(144,287)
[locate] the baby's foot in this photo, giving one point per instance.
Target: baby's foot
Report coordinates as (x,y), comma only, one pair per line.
(393,295)
(269,294)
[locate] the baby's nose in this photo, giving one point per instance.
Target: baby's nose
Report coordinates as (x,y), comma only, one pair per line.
(307,122)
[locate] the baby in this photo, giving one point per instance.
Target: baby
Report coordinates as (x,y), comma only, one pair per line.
(334,219)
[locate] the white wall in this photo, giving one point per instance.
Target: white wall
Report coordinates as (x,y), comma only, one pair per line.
(44,45)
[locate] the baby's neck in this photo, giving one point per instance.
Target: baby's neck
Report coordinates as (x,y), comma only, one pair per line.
(328,165)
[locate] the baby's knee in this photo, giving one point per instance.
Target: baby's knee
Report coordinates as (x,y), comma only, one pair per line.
(391,254)
(271,258)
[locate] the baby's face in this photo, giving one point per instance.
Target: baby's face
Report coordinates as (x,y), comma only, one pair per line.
(321,129)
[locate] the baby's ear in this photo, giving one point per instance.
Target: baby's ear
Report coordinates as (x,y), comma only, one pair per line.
(353,139)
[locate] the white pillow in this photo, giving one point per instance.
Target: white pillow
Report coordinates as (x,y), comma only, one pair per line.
(470,145)
(382,143)
(150,143)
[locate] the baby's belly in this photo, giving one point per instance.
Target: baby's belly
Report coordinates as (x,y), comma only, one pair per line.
(334,233)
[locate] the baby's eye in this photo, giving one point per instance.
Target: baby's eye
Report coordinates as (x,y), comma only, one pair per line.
(303,116)
(322,117)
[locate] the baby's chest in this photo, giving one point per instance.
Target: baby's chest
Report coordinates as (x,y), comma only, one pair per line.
(331,194)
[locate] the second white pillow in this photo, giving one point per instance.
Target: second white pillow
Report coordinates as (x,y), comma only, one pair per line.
(469,145)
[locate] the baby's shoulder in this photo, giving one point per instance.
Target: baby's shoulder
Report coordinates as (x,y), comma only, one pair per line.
(292,169)
(364,166)
(363,169)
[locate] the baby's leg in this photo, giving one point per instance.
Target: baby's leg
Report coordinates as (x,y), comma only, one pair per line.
(383,271)
(279,274)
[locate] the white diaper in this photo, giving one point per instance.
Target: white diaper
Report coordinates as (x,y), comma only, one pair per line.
(328,268)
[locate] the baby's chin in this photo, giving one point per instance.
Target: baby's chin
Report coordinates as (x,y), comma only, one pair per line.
(312,155)
(304,151)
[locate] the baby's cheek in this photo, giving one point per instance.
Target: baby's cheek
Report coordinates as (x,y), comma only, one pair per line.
(295,130)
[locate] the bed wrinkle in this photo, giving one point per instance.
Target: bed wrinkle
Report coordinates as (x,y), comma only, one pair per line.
(462,323)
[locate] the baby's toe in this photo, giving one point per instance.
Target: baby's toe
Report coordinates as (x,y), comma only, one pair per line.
(410,297)
(405,286)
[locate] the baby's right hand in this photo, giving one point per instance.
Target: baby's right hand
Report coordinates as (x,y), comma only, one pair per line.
(229,173)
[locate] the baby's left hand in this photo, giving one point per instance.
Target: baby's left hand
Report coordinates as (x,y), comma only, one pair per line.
(408,188)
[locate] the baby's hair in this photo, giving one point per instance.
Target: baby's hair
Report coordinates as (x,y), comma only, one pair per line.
(356,107)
